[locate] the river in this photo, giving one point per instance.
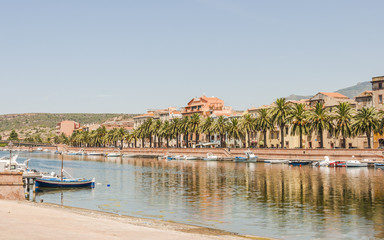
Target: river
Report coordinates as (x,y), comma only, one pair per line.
(260,199)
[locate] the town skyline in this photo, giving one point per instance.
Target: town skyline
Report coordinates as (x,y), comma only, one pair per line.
(130,56)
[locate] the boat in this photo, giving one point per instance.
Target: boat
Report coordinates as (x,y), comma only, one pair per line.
(210,157)
(379,165)
(240,159)
(337,164)
(299,163)
(55,181)
(277,161)
(114,154)
(324,163)
(15,166)
(251,157)
(129,155)
(355,163)
(95,154)
(191,158)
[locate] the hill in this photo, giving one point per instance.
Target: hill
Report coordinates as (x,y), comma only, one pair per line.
(350,92)
(45,123)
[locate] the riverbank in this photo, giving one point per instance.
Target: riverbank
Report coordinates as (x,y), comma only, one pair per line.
(24,219)
(224,153)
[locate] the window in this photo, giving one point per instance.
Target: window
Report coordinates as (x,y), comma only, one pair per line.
(380,99)
(286,130)
(380,85)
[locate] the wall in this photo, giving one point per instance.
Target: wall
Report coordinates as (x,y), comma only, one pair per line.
(11,186)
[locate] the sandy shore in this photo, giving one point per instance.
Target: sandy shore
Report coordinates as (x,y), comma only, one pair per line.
(27,220)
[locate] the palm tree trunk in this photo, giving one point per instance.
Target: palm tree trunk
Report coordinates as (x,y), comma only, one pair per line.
(142,142)
(167,142)
(122,142)
(249,139)
(186,139)
(282,136)
(321,138)
(177,140)
(150,140)
(209,137)
(197,138)
(301,138)
(135,143)
(344,142)
(265,138)
(369,139)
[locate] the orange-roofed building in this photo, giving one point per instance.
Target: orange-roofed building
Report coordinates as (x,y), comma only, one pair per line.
(206,106)
(67,127)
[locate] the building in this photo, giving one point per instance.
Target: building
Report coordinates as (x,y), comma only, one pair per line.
(330,99)
(67,127)
(377,100)
(364,99)
(162,114)
(206,106)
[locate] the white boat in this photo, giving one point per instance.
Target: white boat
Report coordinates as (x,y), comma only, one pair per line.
(95,154)
(21,167)
(355,163)
(324,163)
(277,161)
(191,158)
(39,149)
(250,156)
(210,157)
(114,154)
(129,155)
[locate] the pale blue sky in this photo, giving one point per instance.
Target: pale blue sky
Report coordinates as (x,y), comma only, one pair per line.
(128,56)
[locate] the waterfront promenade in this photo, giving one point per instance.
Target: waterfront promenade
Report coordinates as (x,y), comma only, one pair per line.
(24,219)
(263,153)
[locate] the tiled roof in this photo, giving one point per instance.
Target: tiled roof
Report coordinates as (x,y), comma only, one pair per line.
(334,94)
(365,94)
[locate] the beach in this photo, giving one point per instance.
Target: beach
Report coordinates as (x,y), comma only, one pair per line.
(22,219)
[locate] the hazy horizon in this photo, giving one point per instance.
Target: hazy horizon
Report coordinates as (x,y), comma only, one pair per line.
(129,56)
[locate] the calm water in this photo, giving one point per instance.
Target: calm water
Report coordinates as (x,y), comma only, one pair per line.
(248,198)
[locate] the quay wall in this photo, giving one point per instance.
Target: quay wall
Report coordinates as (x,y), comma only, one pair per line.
(263,153)
(11,186)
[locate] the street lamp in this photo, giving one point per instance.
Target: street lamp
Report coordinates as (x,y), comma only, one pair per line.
(10,145)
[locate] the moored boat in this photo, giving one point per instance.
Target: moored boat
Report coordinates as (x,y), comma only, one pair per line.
(113,154)
(95,154)
(210,157)
(56,182)
(355,163)
(337,164)
(277,161)
(299,163)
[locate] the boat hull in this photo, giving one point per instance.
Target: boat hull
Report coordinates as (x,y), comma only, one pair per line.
(299,163)
(64,184)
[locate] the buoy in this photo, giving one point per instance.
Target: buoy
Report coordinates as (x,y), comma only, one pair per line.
(108,185)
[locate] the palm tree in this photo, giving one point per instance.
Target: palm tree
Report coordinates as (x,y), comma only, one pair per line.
(220,127)
(299,121)
(165,132)
(148,130)
(279,115)
(343,124)
(207,127)
(156,126)
(248,124)
(119,136)
(263,123)
(234,129)
(320,120)
(194,124)
(175,130)
(185,129)
(365,122)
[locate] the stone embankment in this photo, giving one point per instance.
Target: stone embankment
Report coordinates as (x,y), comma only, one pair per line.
(263,153)
(11,186)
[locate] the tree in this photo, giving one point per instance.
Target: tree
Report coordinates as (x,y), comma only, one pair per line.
(279,115)
(13,136)
(365,122)
(194,124)
(320,120)
(175,129)
(298,118)
(165,132)
(248,124)
(263,123)
(343,124)
(185,129)
(156,126)
(220,127)
(234,130)
(207,127)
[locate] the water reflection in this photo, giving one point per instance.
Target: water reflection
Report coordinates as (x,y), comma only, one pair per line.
(249,198)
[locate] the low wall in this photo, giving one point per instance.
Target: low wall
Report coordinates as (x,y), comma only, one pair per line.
(11,186)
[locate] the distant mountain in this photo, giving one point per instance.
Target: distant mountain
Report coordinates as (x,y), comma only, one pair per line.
(353,91)
(350,92)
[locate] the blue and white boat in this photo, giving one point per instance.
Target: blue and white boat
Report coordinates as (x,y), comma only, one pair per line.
(56,182)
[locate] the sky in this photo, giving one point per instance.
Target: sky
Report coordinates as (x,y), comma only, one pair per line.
(129,56)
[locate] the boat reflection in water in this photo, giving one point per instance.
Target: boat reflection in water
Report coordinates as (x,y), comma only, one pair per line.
(271,200)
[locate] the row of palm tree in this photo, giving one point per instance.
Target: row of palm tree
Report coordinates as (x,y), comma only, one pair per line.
(301,120)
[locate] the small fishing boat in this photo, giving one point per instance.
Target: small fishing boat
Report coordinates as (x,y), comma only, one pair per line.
(299,163)
(355,163)
(379,165)
(210,157)
(240,159)
(324,163)
(249,157)
(54,181)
